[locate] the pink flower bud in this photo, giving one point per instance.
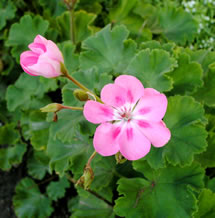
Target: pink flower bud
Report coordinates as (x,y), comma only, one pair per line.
(44,59)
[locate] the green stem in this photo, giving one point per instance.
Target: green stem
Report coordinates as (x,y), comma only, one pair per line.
(91,158)
(72,108)
(81,86)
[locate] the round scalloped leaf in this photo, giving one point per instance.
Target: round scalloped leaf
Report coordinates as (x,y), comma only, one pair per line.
(87,204)
(38,164)
(57,189)
(7,11)
(206,94)
(63,154)
(82,23)
(28,202)
(177,25)
(166,192)
(25,89)
(23,33)
(187,76)
(108,50)
(151,67)
(184,118)
(206,204)
(207,158)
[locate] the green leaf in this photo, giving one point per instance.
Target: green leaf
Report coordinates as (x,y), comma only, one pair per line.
(54,7)
(177,25)
(28,202)
(152,44)
(7,11)
(25,89)
(211,185)
(203,57)
(12,155)
(151,67)
(71,59)
(206,94)
(39,128)
(187,77)
(56,190)
(206,204)
(82,25)
(185,119)
(62,154)
(108,50)
(121,10)
(87,204)
(9,135)
(23,33)
(38,164)
(207,158)
(166,192)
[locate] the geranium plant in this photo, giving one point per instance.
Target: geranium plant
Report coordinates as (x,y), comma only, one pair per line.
(107,108)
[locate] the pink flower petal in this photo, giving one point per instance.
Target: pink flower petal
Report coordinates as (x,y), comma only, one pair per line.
(157,132)
(105,139)
(40,39)
(53,52)
(28,58)
(45,67)
(38,48)
(96,112)
(152,106)
(133,144)
(113,95)
(134,88)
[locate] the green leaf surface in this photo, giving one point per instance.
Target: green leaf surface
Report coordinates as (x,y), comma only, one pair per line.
(11,156)
(9,135)
(177,25)
(25,89)
(28,202)
(90,205)
(82,25)
(184,118)
(206,204)
(207,158)
(7,11)
(57,189)
(108,50)
(165,192)
(151,67)
(187,77)
(62,154)
(38,164)
(23,33)
(71,60)
(206,94)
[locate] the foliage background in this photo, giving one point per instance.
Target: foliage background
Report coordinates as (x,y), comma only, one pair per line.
(168,45)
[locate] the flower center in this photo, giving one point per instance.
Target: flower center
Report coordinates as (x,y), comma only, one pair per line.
(126,115)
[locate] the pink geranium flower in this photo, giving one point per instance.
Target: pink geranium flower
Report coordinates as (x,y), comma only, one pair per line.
(130,119)
(44,59)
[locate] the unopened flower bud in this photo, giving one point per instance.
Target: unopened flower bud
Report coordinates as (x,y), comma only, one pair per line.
(87,178)
(54,107)
(81,95)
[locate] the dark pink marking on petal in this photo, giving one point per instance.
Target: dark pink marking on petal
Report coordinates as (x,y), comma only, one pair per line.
(143,124)
(129,133)
(119,100)
(145,110)
(130,96)
(116,132)
(106,111)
